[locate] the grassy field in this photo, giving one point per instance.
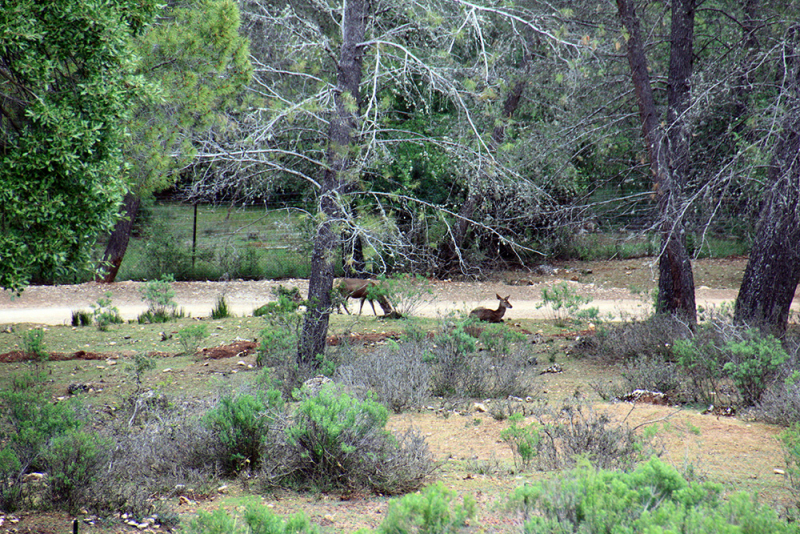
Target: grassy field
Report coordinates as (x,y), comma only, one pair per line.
(246,243)
(259,243)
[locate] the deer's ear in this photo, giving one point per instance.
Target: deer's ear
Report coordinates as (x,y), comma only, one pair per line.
(498,296)
(508,297)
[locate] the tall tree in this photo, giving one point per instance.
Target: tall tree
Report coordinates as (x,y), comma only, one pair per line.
(67,85)
(338,177)
(668,150)
(773,269)
(199,62)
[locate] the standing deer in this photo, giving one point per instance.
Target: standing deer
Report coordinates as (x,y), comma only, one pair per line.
(492,316)
(356,288)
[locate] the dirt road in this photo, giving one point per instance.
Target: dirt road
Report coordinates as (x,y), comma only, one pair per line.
(53,305)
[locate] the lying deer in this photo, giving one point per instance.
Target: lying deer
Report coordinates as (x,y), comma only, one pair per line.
(356,288)
(492,316)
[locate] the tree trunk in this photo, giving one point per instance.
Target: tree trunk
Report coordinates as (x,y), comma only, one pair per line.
(669,152)
(773,270)
(118,240)
(336,180)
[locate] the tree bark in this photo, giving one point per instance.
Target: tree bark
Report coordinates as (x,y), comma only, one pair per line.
(668,151)
(773,270)
(335,181)
(118,240)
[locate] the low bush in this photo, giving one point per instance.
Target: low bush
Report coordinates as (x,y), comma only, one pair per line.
(397,373)
(74,461)
(342,444)
(29,422)
(167,453)
(435,510)
(288,300)
(633,340)
(563,301)
(655,373)
(729,364)
(524,440)
(780,403)
(256,519)
(81,318)
(575,431)
(159,294)
(242,424)
(754,362)
(34,346)
(221,309)
(191,336)
(104,313)
(499,339)
(652,498)
(406,293)
(459,369)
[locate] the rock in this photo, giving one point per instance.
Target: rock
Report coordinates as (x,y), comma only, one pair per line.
(648,397)
(33,477)
(312,386)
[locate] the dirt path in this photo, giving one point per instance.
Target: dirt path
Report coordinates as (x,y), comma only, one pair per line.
(53,305)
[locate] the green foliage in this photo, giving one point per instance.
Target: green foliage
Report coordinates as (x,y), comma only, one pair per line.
(165,253)
(220,309)
(652,498)
(81,318)
(703,362)
(33,345)
(405,292)
(201,64)
(73,461)
(755,362)
(523,440)
(276,344)
(257,519)
(158,294)
(790,442)
(331,430)
(280,336)
(499,338)
(29,421)
(141,364)
(69,85)
(435,510)
(750,359)
(10,471)
(104,313)
(413,332)
(289,300)
(563,301)
(241,423)
(191,336)
(453,334)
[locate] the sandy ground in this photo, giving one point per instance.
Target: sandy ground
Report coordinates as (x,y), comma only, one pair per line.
(53,305)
